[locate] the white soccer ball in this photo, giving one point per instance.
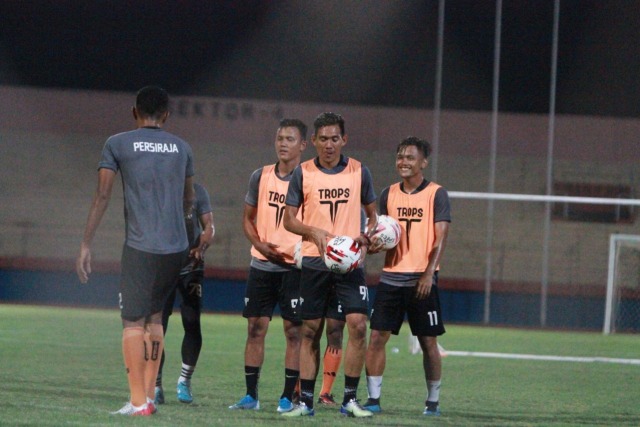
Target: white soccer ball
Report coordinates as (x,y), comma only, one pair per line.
(297,254)
(343,255)
(388,232)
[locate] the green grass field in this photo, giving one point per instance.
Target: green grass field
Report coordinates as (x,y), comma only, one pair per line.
(63,366)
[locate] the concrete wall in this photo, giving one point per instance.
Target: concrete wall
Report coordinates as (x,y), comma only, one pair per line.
(50,143)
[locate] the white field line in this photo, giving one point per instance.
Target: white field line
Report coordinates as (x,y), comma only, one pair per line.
(544,357)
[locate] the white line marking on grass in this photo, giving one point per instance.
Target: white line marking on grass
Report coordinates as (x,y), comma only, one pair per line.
(544,357)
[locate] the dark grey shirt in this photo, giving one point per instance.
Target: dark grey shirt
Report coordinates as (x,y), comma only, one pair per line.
(154,165)
(194,228)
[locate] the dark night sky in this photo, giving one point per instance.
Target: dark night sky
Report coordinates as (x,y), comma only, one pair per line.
(355,52)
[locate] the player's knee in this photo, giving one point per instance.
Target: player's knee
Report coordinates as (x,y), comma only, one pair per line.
(155,319)
(358,329)
(429,346)
(378,340)
(310,332)
(257,329)
(193,328)
(292,334)
(191,321)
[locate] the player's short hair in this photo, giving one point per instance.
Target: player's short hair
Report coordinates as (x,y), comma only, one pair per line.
(421,144)
(328,119)
(152,101)
(295,123)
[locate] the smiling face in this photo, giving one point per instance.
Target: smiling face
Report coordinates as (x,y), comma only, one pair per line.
(329,141)
(410,162)
(289,144)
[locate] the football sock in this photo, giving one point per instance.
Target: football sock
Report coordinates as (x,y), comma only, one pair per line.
(350,388)
(306,392)
(186,373)
(433,391)
(154,343)
(134,362)
(251,377)
(159,376)
(331,364)
(290,382)
(374,386)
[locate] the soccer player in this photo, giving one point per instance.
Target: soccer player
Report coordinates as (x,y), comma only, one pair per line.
(334,324)
(334,329)
(273,278)
(330,190)
(409,280)
(200,229)
(157,174)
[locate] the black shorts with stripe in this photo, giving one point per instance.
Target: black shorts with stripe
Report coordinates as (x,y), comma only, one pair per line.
(321,291)
(265,289)
(146,281)
(392,303)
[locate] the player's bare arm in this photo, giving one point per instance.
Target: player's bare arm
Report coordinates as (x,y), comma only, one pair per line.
(189,198)
(423,287)
(205,238)
(99,205)
(364,239)
(268,249)
(313,234)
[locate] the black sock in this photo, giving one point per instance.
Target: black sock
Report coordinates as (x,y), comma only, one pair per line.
(350,388)
(251,377)
(306,392)
(290,381)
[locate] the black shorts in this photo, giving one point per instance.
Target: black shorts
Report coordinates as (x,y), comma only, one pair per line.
(265,289)
(190,288)
(393,302)
(334,309)
(318,289)
(146,281)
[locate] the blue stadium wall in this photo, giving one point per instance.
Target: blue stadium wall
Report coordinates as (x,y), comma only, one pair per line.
(21,286)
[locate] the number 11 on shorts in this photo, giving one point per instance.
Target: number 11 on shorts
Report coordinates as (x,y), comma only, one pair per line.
(433,317)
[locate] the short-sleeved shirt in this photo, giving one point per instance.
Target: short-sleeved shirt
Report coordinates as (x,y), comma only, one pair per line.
(267,191)
(417,214)
(202,206)
(296,196)
(154,165)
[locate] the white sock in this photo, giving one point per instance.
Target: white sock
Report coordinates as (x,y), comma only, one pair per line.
(374,386)
(433,391)
(186,373)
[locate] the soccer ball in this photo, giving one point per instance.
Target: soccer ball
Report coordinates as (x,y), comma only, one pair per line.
(297,254)
(388,232)
(343,255)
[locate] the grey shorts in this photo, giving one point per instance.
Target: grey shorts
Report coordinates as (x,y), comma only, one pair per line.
(146,281)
